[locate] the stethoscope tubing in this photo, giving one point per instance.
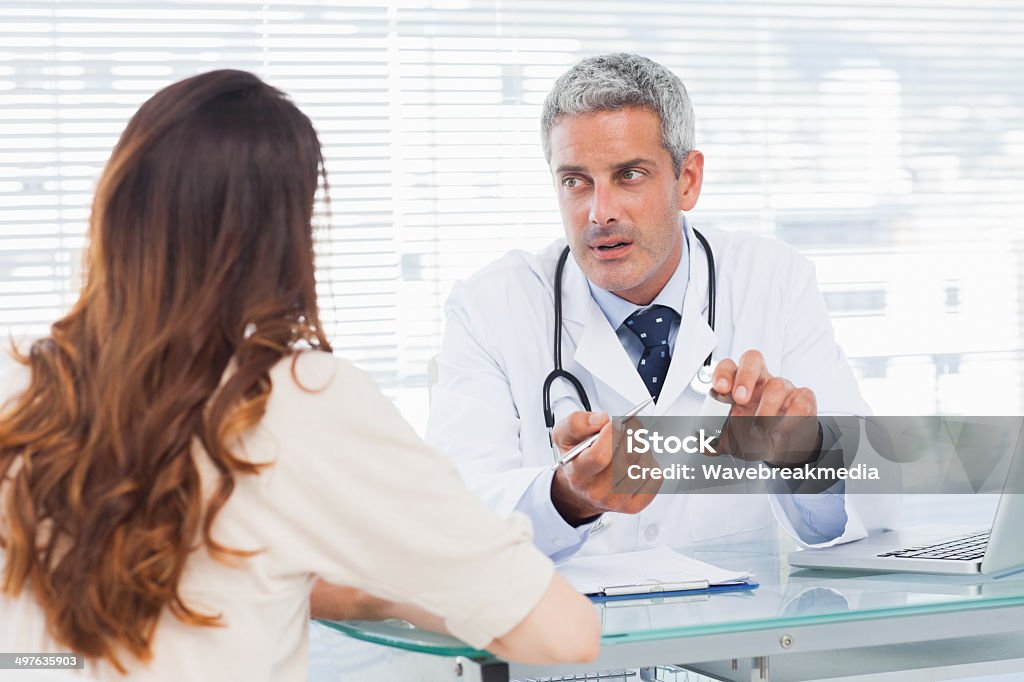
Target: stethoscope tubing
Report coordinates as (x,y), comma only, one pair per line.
(703,374)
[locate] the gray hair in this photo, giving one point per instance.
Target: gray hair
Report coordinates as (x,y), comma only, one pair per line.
(610,82)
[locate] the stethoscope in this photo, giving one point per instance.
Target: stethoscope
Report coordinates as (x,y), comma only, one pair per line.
(701,382)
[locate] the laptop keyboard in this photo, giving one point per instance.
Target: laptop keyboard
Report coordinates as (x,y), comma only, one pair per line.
(967,548)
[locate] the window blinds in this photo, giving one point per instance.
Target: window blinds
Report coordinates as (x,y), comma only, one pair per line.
(886,141)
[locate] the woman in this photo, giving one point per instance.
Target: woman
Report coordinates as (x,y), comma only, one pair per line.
(183,458)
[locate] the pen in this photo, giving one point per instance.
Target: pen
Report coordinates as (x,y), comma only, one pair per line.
(586,443)
(657,588)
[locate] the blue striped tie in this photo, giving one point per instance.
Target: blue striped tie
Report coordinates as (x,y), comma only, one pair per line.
(652,325)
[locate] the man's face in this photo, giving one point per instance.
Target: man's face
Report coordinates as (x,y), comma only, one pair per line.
(620,199)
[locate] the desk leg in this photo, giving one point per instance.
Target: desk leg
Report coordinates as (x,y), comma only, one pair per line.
(471,671)
(755,669)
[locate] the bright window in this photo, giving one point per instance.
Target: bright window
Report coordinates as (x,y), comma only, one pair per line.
(885,141)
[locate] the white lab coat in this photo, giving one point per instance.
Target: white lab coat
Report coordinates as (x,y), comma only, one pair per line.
(486,410)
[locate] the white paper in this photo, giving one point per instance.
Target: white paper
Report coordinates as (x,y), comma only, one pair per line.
(651,567)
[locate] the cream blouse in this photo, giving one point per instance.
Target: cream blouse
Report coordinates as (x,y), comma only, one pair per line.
(353,496)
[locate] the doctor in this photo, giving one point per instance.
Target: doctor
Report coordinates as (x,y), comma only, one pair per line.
(618,134)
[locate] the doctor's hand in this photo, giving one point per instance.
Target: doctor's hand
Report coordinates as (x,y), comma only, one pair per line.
(587,486)
(778,421)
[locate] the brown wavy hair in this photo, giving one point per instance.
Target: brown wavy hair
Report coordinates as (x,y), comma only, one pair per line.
(200,255)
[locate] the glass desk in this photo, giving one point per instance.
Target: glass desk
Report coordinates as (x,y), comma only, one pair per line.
(798,625)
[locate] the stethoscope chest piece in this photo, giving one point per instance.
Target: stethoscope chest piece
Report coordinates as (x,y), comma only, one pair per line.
(701,381)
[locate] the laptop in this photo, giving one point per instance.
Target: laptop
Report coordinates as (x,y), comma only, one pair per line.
(938,550)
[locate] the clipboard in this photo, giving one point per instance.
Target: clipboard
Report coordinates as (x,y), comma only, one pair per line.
(700,588)
(655,572)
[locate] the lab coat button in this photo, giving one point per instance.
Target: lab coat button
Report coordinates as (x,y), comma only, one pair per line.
(651,532)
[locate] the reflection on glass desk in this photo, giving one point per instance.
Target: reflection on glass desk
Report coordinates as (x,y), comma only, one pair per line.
(797,620)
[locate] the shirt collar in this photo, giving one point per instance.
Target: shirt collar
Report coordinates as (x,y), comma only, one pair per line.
(616,309)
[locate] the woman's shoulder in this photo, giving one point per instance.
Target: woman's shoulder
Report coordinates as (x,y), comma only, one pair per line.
(316,371)
(319,384)
(320,403)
